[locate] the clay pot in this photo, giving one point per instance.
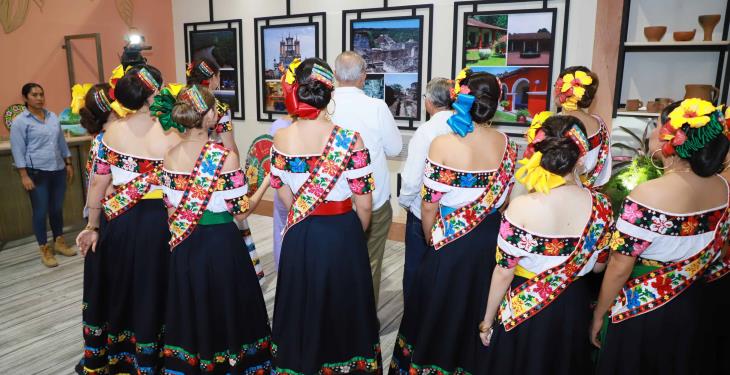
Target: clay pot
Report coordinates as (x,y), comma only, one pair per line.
(706,92)
(708,23)
(633,105)
(684,36)
(654,33)
(657,105)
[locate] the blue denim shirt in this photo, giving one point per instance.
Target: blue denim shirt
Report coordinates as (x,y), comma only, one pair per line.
(38,144)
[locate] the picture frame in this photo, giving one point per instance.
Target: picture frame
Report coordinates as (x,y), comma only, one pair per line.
(297,36)
(398,58)
(224,39)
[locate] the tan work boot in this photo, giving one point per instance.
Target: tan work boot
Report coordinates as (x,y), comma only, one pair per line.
(60,247)
(47,257)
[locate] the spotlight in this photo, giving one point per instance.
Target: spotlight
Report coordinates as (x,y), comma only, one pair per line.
(132,54)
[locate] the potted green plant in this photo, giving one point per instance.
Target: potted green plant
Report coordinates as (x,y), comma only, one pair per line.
(630,170)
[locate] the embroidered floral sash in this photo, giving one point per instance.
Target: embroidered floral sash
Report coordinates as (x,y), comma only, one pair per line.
(463,220)
(652,290)
(330,165)
(718,269)
(128,195)
(197,193)
(592,176)
(532,296)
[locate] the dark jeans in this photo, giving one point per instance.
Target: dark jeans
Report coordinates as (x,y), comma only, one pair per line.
(416,249)
(47,201)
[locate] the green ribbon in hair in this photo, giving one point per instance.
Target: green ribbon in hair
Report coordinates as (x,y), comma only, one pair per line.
(162,109)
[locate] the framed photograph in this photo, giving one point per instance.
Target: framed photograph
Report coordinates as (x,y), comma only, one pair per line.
(396,45)
(280,40)
(518,46)
(220,41)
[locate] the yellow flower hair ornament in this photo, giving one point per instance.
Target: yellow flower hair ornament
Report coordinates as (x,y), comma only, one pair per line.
(536,125)
(535,177)
(691,126)
(78,96)
(117,74)
(458,88)
(570,88)
(290,76)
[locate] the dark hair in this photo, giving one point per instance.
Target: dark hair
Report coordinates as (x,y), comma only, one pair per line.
(591,89)
(93,118)
(26,89)
(707,161)
(131,92)
(486,91)
(559,152)
(196,75)
(311,91)
(184,114)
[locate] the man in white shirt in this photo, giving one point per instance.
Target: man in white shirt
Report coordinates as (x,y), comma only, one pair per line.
(438,106)
(372,119)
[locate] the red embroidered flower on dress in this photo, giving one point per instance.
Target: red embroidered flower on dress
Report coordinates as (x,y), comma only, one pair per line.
(543,288)
(198,192)
(714,219)
(470,216)
(275,182)
(663,285)
(280,162)
(360,159)
(187,215)
(133,193)
(689,226)
(102,168)
(357,185)
(554,247)
(446,176)
(181,182)
(237,179)
(329,167)
(311,162)
(112,158)
(631,213)
(639,248)
(316,190)
(145,166)
(571,268)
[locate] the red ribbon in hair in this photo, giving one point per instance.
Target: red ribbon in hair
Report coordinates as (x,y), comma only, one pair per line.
(294,106)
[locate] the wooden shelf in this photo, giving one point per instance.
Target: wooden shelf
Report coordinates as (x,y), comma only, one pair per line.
(621,112)
(668,46)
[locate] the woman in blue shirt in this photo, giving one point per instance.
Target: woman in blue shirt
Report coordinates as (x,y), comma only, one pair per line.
(43,161)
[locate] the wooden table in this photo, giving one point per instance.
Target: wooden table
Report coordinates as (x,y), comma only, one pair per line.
(15,209)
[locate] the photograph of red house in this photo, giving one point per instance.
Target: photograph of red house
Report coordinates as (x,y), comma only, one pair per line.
(485,40)
(530,39)
(524,92)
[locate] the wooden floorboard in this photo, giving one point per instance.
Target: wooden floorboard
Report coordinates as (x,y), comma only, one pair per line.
(40,308)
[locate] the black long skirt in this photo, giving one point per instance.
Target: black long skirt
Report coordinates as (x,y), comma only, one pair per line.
(667,340)
(439,329)
(554,341)
(130,269)
(324,316)
(716,326)
(216,321)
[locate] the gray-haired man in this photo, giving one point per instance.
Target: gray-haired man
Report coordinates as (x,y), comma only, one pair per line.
(372,119)
(438,106)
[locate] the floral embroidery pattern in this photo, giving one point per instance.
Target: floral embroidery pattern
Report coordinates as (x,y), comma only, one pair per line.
(195,198)
(225,358)
(528,299)
(654,289)
(238,206)
(430,195)
(464,219)
(338,152)
(128,195)
(666,224)
(357,364)
(718,269)
(551,246)
(127,162)
(457,178)
(601,140)
(505,260)
(401,362)
(305,164)
(226,181)
(362,185)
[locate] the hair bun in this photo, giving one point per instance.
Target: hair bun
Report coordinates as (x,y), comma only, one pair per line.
(559,153)
(486,91)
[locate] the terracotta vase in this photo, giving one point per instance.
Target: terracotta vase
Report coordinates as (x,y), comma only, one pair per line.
(706,92)
(654,33)
(708,23)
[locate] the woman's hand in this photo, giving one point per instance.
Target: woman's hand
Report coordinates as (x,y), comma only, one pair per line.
(87,240)
(28,184)
(485,333)
(596,326)
(69,173)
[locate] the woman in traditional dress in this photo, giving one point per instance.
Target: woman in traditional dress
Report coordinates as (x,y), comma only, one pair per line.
(96,112)
(669,232)
(216,320)
(468,177)
(133,245)
(324,316)
(206,71)
(575,89)
(548,240)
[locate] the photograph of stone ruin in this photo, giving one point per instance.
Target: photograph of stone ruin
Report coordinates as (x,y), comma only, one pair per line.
(388,46)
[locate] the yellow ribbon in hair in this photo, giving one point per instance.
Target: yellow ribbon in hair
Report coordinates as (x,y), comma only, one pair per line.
(290,76)
(535,177)
(457,81)
(78,96)
(121,110)
(117,73)
(175,88)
